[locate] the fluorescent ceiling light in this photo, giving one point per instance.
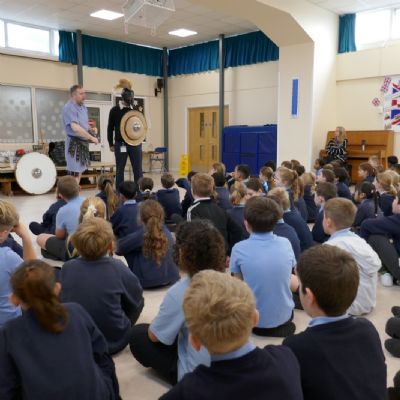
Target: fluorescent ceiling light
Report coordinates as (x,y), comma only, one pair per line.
(183,33)
(106,14)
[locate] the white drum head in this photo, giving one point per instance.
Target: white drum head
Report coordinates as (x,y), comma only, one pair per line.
(35,173)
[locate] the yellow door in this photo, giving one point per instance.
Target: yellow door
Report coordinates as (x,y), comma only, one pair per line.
(204,137)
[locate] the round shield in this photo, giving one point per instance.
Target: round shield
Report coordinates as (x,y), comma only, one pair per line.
(133,127)
(35,173)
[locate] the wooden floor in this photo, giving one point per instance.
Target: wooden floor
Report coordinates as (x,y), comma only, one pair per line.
(138,383)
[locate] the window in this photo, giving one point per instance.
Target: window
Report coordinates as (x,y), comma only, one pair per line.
(27,38)
(2,35)
(396,24)
(372,27)
(21,38)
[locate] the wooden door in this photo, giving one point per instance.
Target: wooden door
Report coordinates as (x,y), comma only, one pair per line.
(204,137)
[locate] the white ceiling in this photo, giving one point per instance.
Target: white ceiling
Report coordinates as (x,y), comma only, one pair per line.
(352,6)
(74,14)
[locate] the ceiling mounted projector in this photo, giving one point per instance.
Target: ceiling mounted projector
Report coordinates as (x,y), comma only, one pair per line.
(148,13)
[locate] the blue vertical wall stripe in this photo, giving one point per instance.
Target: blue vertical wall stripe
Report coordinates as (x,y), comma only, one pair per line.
(347,33)
(295,97)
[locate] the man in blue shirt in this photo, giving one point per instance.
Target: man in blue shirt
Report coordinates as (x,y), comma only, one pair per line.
(79,134)
(265,262)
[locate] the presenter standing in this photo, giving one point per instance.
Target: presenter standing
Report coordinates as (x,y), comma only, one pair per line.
(118,145)
(79,134)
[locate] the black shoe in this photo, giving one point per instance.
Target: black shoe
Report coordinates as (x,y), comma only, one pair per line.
(396,311)
(393,346)
(393,327)
(393,394)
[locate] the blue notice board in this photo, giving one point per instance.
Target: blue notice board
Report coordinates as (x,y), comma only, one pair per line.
(295,97)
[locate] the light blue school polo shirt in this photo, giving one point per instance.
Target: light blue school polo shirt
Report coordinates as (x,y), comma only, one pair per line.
(265,262)
(9,262)
(67,217)
(170,323)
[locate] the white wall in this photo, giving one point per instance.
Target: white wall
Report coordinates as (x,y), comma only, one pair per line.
(359,78)
(250,93)
(16,70)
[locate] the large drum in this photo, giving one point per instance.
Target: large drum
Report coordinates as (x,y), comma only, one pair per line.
(35,173)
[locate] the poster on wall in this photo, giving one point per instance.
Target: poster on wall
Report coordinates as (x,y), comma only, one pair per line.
(391,108)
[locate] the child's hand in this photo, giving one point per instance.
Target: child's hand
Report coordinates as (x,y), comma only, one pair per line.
(21,230)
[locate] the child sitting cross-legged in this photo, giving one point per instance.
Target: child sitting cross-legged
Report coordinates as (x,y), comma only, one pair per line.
(53,350)
(104,286)
(164,344)
(148,250)
(265,262)
(238,369)
(168,197)
(340,356)
(107,194)
(339,216)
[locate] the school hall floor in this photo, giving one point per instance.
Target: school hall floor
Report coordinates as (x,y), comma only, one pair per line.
(137,382)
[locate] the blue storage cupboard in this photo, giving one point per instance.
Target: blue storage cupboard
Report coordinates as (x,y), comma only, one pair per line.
(251,145)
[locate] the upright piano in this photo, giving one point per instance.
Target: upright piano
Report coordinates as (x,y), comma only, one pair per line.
(364,144)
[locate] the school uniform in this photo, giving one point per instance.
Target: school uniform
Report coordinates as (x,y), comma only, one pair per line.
(266,261)
(318,232)
(223,198)
(188,198)
(379,232)
(109,292)
(36,364)
(149,273)
(174,356)
(9,262)
(48,224)
(369,179)
(169,199)
(237,214)
(207,208)
(125,219)
(294,219)
(368,264)
(248,372)
(385,203)
(282,229)
(301,207)
(365,210)
(340,358)
(312,208)
(343,190)
(13,245)
(146,195)
(67,219)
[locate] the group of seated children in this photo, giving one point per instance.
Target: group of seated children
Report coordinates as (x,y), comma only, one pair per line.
(199,340)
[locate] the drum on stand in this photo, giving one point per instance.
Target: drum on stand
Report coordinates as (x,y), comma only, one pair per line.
(35,173)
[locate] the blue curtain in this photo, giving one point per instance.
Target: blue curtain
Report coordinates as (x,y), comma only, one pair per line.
(250,48)
(120,56)
(111,54)
(67,47)
(347,33)
(193,59)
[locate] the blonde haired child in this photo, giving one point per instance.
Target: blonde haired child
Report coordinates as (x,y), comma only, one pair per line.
(223,326)
(109,291)
(105,185)
(10,260)
(384,185)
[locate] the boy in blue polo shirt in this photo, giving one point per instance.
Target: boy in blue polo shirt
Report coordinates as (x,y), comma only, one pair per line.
(67,220)
(239,370)
(265,262)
